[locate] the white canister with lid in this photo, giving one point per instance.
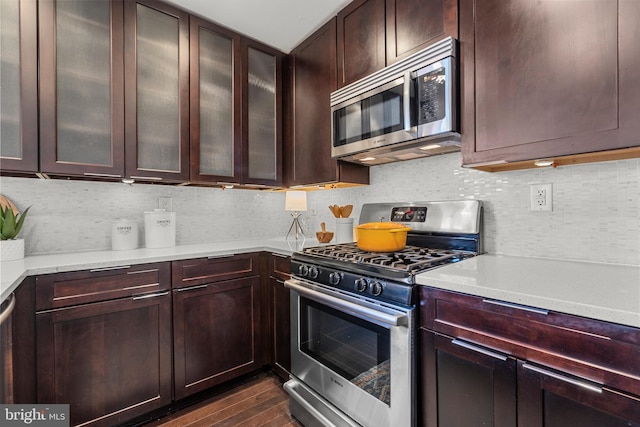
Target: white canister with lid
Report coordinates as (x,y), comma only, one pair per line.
(159,229)
(124,234)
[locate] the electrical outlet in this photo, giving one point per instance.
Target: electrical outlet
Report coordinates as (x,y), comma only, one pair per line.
(165,203)
(313,211)
(541,197)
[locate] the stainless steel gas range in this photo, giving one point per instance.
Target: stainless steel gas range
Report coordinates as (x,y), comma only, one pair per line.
(353,316)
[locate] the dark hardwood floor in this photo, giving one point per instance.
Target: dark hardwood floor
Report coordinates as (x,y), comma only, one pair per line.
(260,402)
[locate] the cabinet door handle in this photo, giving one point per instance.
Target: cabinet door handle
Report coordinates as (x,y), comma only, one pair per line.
(517,306)
(190,288)
(98,270)
(480,350)
(584,384)
(102,175)
(10,306)
(147,296)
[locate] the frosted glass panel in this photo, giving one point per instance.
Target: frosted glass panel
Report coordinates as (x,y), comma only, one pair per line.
(157,90)
(83,82)
(216,104)
(262,115)
(10,144)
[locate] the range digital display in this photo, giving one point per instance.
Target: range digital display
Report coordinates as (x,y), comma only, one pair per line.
(409,214)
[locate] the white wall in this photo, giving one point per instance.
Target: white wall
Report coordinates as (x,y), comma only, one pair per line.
(596,209)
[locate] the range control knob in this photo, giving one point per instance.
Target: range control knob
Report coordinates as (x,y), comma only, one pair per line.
(303,270)
(334,278)
(361,285)
(375,288)
(313,272)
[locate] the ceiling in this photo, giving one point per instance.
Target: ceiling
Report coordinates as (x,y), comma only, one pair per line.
(278,23)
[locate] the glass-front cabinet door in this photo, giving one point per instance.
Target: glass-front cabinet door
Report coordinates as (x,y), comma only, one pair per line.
(19,82)
(216,103)
(263,129)
(157,91)
(81,88)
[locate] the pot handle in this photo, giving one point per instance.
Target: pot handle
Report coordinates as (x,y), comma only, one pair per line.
(398,230)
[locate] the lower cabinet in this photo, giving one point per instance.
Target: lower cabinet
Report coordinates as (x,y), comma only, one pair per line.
(489,363)
(111,359)
(548,398)
(117,343)
(279,316)
(216,333)
(465,385)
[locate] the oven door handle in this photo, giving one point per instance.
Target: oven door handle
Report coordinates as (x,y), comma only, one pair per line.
(349,307)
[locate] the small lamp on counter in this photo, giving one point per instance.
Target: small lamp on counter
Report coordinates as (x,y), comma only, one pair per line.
(296,203)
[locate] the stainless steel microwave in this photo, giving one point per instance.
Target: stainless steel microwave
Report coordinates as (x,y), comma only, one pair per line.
(404,111)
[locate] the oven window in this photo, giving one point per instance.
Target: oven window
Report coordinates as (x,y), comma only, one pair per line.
(353,348)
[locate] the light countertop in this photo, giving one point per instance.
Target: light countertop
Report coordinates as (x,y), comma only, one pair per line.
(606,292)
(601,291)
(13,272)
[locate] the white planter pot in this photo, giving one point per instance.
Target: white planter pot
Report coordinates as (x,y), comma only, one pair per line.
(11,250)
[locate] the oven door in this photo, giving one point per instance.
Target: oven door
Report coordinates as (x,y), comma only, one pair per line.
(355,354)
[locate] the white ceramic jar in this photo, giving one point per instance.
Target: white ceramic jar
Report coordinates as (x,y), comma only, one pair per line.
(124,235)
(159,229)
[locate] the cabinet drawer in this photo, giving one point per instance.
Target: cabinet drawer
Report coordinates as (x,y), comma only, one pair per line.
(603,352)
(214,269)
(281,266)
(100,284)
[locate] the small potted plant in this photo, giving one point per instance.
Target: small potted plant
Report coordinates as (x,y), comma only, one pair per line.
(11,222)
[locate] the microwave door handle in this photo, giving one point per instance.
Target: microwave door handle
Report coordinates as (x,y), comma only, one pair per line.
(348,306)
(406,101)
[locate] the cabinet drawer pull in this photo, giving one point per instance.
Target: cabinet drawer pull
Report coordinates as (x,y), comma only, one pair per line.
(98,270)
(220,256)
(584,384)
(191,288)
(280,255)
(480,350)
(280,281)
(10,306)
(146,296)
(517,306)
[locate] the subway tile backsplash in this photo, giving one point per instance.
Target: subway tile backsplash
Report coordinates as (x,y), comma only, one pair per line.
(595,217)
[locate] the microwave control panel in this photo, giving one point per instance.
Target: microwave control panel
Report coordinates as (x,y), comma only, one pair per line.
(432,96)
(409,214)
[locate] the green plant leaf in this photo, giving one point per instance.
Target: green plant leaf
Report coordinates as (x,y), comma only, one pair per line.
(23,215)
(9,225)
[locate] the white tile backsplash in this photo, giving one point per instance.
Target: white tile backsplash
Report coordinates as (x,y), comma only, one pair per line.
(595,217)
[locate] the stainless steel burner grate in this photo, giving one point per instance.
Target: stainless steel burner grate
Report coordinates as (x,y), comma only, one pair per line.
(411,259)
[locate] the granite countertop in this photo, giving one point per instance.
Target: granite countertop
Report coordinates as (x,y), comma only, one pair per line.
(601,291)
(13,272)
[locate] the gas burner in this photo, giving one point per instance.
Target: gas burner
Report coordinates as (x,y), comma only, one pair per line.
(411,259)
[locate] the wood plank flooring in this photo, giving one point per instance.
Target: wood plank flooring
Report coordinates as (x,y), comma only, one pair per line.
(260,402)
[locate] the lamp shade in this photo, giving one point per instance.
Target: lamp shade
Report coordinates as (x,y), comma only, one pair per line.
(295,201)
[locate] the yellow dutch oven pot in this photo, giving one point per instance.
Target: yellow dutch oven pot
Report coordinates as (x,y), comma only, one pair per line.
(381,236)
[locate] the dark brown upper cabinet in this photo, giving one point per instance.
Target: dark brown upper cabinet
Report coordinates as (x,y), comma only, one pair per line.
(19,101)
(547,79)
(156,62)
(262,114)
(236,108)
(216,103)
(313,77)
(376,33)
(413,25)
(361,40)
(81,88)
